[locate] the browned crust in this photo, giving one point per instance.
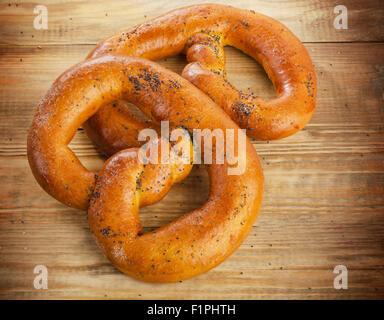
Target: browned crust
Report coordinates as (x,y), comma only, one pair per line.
(201,31)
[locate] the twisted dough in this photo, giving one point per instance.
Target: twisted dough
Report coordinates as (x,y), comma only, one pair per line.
(194,243)
(201,31)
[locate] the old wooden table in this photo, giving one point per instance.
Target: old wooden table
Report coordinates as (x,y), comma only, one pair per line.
(324,186)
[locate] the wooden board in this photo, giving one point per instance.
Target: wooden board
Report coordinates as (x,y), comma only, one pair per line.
(324,187)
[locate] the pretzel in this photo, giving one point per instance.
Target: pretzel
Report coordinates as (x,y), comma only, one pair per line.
(194,243)
(201,31)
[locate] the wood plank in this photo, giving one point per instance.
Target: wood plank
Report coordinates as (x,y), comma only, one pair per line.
(291,262)
(79,22)
(349,94)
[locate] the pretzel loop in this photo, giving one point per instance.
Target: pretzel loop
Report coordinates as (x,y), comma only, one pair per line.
(201,32)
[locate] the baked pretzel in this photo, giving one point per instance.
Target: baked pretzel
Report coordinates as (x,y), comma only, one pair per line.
(201,31)
(194,243)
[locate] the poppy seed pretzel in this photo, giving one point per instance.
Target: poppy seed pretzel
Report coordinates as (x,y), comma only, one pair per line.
(186,247)
(201,31)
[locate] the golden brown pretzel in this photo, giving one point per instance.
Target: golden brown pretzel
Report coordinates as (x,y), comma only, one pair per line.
(192,244)
(201,31)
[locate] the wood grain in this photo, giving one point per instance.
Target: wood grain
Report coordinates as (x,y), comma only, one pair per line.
(324,186)
(78,21)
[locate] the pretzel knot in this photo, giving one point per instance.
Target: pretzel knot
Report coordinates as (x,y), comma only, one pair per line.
(196,242)
(201,32)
